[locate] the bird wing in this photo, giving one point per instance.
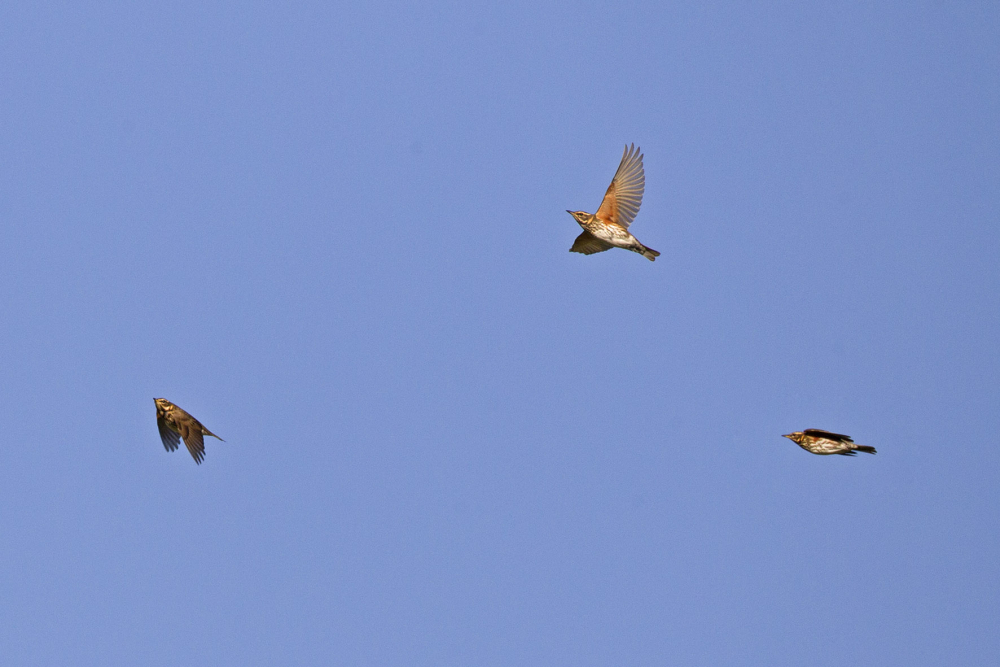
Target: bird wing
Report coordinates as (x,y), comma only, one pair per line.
(820,433)
(624,196)
(587,244)
(169,438)
(191,432)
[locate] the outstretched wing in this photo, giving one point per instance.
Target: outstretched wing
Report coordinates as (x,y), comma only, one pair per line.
(169,438)
(191,432)
(624,196)
(820,433)
(587,244)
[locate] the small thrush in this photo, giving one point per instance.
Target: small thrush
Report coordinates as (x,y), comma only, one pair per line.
(608,228)
(818,441)
(174,423)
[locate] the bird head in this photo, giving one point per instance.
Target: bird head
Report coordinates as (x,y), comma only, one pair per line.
(794,437)
(581,216)
(161,404)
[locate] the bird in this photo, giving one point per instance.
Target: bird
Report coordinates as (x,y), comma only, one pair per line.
(175,423)
(823,442)
(608,228)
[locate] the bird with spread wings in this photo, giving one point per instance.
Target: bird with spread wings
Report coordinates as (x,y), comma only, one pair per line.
(608,228)
(175,423)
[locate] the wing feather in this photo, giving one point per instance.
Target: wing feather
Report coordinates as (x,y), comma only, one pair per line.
(587,244)
(169,438)
(624,196)
(820,433)
(194,440)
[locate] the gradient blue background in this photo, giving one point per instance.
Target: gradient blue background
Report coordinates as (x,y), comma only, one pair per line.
(337,237)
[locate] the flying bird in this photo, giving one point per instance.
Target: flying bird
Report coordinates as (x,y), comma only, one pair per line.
(819,441)
(174,424)
(608,228)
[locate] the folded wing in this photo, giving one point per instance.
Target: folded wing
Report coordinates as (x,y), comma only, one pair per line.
(820,433)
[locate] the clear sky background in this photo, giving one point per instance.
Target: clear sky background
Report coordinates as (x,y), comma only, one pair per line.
(337,236)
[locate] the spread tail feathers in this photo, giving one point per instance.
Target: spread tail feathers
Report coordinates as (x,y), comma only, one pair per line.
(649,253)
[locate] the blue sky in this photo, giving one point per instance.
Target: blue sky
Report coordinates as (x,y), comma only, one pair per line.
(338,237)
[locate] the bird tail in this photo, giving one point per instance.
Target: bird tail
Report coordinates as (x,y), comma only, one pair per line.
(207,432)
(865,448)
(649,253)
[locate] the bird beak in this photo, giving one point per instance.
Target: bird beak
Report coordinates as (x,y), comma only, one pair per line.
(787,435)
(569,211)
